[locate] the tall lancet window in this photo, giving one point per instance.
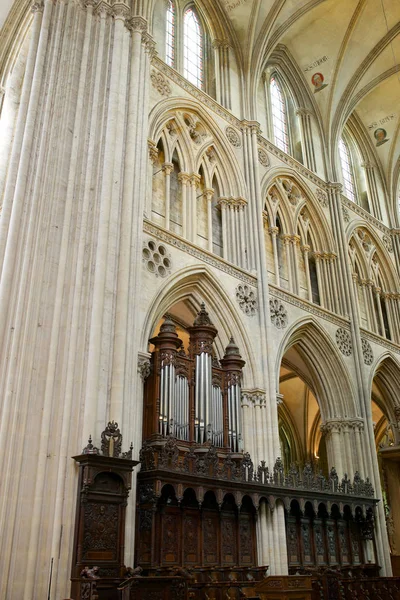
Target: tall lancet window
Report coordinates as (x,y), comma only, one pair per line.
(347,170)
(170,35)
(279,116)
(192,48)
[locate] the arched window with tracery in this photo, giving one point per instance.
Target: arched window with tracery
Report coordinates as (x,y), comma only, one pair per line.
(193,48)
(279,116)
(170,35)
(347,170)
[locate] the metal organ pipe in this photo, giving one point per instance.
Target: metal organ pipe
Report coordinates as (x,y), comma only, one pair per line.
(212,410)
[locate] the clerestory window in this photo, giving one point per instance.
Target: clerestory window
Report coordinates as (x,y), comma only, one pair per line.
(279,116)
(170,35)
(347,170)
(192,48)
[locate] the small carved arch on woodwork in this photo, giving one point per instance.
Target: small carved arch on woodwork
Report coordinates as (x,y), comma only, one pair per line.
(189,498)
(337,510)
(348,512)
(106,482)
(247,504)
(230,502)
(295,507)
(322,511)
(169,495)
(309,510)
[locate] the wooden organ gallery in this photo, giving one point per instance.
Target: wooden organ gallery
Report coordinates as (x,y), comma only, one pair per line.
(201,499)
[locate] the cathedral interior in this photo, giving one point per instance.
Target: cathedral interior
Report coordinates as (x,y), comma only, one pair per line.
(200,293)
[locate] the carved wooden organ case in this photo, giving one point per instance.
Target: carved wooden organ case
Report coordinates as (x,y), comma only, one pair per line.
(192,429)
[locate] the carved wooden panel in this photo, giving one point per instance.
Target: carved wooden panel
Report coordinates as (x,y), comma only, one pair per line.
(101,524)
(228,539)
(319,542)
(210,537)
(145,523)
(170,537)
(331,542)
(306,540)
(246,541)
(191,538)
(343,542)
(292,542)
(356,552)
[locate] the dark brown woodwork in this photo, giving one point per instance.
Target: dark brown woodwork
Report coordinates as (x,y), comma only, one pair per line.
(104,484)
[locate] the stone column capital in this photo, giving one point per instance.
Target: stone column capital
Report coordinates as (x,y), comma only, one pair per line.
(303,112)
(167,168)
(137,24)
(183,178)
(208,194)
(153,150)
(143,366)
(195,180)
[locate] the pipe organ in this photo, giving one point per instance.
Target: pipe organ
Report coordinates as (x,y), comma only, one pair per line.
(194,397)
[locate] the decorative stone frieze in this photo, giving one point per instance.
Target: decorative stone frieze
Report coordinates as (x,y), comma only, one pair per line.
(321,197)
(278,313)
(346,214)
(367,352)
(254,397)
(387,242)
(144,368)
(156,258)
(160,83)
(212,260)
(233,137)
(343,341)
(247,299)
(263,157)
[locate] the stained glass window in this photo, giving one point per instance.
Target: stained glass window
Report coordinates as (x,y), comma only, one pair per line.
(279,116)
(170,35)
(192,48)
(347,170)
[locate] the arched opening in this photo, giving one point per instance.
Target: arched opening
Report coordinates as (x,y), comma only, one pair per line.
(386,420)
(314,394)
(299,415)
(217,238)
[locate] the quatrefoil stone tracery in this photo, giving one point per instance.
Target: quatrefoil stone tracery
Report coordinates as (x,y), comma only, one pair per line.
(278,314)
(343,341)
(247,299)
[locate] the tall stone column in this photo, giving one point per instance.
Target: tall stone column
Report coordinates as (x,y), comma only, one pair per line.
(274,232)
(167,170)
(305,250)
(208,195)
(363,407)
(222,75)
(307,138)
(184,179)
(370,174)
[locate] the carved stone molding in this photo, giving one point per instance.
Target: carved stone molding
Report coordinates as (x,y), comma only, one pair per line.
(387,242)
(346,214)
(156,258)
(278,313)
(367,352)
(322,197)
(342,424)
(212,260)
(160,83)
(144,368)
(254,397)
(263,157)
(307,306)
(233,137)
(343,340)
(247,299)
